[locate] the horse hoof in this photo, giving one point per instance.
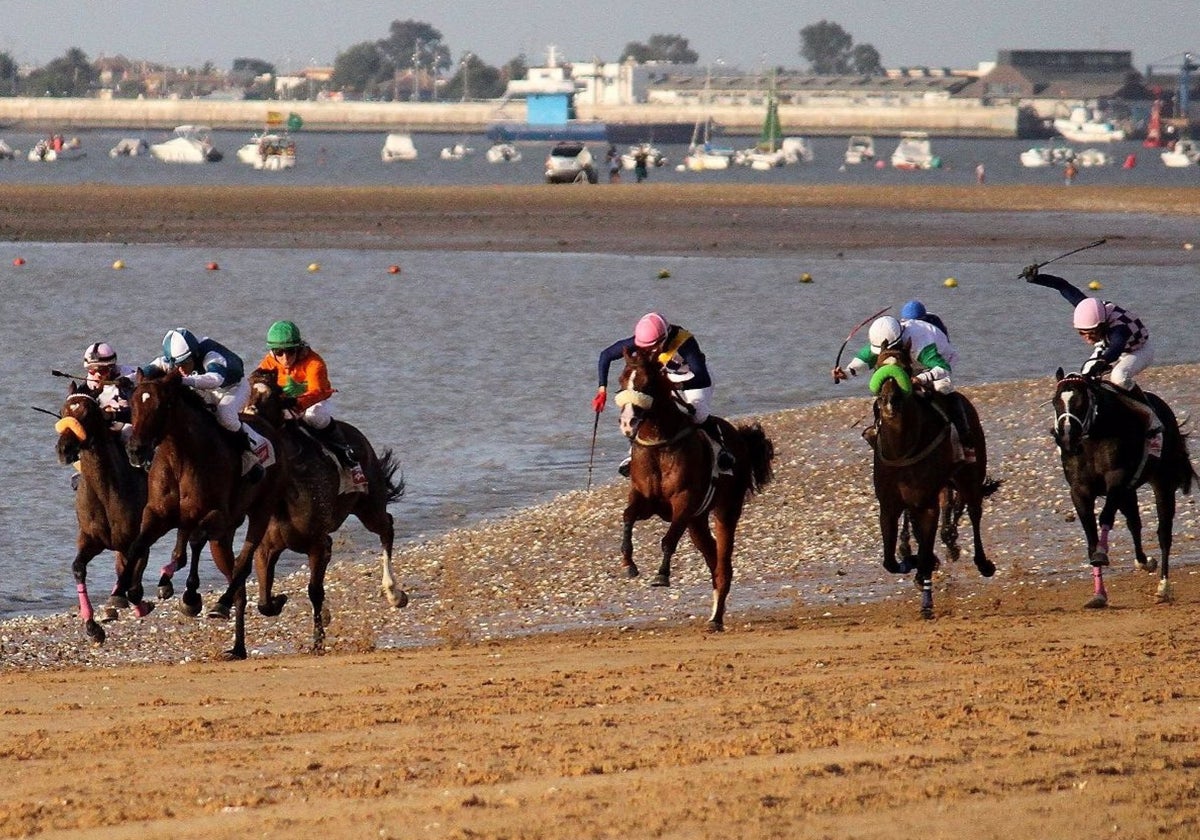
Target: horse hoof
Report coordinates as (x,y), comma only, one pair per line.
(219,611)
(1097,602)
(397,598)
(1099,559)
(1148,565)
(631,571)
(166,591)
(1163,595)
(111,614)
(716,627)
(954,553)
(272,607)
(660,580)
(236,654)
(117,602)
(927,613)
(986,567)
(897,567)
(95,631)
(191,603)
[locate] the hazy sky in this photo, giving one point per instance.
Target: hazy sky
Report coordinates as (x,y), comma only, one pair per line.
(746,34)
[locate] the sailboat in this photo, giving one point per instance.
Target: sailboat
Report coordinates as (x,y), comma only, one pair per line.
(702,156)
(773,148)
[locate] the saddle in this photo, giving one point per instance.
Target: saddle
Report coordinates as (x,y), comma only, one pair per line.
(351,479)
(1136,399)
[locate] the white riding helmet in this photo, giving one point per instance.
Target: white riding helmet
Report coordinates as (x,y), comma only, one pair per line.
(884,333)
(100,354)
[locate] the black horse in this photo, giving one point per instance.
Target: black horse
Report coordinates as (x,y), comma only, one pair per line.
(1102,441)
(916,472)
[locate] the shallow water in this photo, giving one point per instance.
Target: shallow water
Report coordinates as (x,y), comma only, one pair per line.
(479,368)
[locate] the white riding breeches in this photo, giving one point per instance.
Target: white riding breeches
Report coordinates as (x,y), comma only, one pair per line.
(319,415)
(698,399)
(1129,365)
(229,402)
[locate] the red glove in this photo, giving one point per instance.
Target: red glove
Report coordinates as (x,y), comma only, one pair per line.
(598,400)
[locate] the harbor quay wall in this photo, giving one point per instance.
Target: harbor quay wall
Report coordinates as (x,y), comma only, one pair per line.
(948,118)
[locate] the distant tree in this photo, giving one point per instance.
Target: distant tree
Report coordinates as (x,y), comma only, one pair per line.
(359,68)
(70,75)
(10,75)
(474,80)
(828,49)
(415,42)
(516,68)
(662,48)
(253,67)
(866,60)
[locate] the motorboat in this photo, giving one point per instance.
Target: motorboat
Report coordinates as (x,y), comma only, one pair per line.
(129,147)
(269,151)
(189,144)
(7,152)
(1185,152)
(1092,157)
(456,152)
(503,153)
(55,148)
(570,163)
(914,152)
(860,148)
(1082,128)
(1046,156)
(398,146)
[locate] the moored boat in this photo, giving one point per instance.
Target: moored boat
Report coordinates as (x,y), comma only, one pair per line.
(268,151)
(860,148)
(1082,128)
(190,144)
(129,147)
(398,146)
(1184,152)
(55,148)
(915,152)
(503,153)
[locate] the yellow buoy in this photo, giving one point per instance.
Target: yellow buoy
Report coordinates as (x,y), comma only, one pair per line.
(1187,246)
(1095,285)
(119,264)
(663,274)
(314,267)
(950,283)
(806,277)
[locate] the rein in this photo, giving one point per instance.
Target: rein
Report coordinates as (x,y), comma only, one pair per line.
(922,454)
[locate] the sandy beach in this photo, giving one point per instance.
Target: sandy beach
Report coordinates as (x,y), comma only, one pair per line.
(529,690)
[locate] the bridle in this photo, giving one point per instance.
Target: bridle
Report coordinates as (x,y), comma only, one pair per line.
(641,403)
(1066,419)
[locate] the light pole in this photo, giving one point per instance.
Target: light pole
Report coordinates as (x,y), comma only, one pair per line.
(465,63)
(417,71)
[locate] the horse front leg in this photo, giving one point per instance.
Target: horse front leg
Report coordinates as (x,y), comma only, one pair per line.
(668,544)
(925,523)
(127,592)
(634,511)
(975,511)
(948,524)
(395,595)
(1085,510)
(86,551)
(889,527)
(1164,502)
(318,563)
(718,554)
(191,603)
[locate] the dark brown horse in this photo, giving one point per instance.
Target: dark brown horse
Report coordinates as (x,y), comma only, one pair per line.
(914,468)
(196,485)
(316,502)
(1102,442)
(108,501)
(673,475)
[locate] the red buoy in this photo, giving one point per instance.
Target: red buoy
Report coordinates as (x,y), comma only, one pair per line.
(212,266)
(1130,162)
(19,261)
(393,269)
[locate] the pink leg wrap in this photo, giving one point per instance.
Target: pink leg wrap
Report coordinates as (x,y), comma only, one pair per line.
(141,610)
(169,570)
(1098,581)
(1104,538)
(85,603)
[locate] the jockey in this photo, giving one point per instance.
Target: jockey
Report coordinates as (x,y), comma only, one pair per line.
(302,375)
(914,310)
(932,358)
(111,384)
(214,372)
(679,353)
(1120,342)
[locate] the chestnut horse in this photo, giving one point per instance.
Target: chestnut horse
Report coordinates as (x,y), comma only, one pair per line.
(914,467)
(1102,442)
(108,501)
(315,504)
(196,485)
(673,475)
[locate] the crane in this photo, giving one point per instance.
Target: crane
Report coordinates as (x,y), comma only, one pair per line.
(1185,66)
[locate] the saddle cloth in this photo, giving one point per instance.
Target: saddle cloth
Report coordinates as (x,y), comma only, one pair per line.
(263,452)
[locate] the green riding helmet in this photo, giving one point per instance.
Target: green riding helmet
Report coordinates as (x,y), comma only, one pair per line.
(283,335)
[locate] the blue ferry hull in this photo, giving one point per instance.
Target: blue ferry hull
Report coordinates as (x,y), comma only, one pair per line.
(511,132)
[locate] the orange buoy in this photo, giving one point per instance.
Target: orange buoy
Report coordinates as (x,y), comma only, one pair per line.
(1130,162)
(19,261)
(212,266)
(393,269)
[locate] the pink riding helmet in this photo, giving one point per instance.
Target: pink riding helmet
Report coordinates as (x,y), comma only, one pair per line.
(650,330)
(1089,314)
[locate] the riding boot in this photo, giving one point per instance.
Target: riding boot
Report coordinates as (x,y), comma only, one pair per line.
(256,472)
(331,436)
(725,459)
(963,425)
(1136,398)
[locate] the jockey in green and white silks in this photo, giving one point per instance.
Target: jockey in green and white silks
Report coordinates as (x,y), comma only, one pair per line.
(932,358)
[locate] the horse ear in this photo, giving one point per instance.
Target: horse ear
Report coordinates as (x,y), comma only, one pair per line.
(71,388)
(1058,375)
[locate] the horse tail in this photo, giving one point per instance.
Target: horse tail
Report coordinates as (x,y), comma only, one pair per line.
(1184,473)
(388,467)
(990,485)
(761,453)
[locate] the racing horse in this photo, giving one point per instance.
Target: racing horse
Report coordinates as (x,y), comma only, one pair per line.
(316,503)
(673,475)
(914,467)
(108,501)
(195,484)
(1102,443)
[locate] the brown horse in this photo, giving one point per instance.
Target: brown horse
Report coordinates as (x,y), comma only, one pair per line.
(673,475)
(196,485)
(1102,442)
(915,466)
(315,504)
(108,501)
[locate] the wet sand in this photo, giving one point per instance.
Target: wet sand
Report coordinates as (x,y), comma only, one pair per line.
(827,713)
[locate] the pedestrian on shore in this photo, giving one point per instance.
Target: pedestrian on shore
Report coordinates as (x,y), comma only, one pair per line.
(614,164)
(1070,172)
(980,175)
(640,167)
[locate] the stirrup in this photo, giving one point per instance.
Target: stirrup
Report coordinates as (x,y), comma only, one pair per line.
(624,467)
(725,461)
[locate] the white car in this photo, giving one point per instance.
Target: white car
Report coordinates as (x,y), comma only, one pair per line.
(570,163)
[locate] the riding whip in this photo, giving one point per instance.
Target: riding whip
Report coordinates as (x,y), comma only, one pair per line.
(67,375)
(592,454)
(1069,253)
(53,414)
(863,323)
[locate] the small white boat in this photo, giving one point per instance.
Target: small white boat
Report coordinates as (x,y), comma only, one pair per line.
(398,146)
(129,147)
(654,156)
(503,153)
(190,144)
(1185,152)
(860,148)
(54,149)
(456,152)
(1092,157)
(1082,128)
(7,152)
(1046,156)
(915,152)
(269,152)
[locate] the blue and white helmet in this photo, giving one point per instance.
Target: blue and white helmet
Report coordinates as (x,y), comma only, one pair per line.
(178,346)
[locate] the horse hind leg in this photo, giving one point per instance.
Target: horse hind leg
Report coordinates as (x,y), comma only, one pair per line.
(950,513)
(86,614)
(719,570)
(985,566)
(1164,500)
(384,526)
(318,563)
